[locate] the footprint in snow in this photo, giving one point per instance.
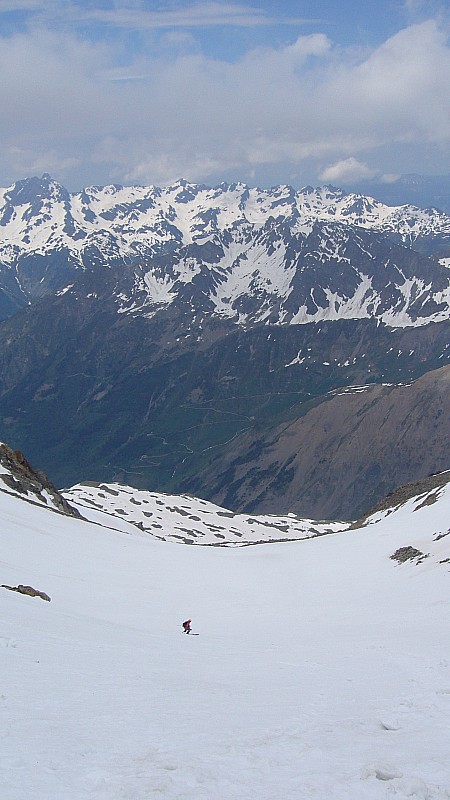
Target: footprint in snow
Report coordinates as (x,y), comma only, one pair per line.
(380,771)
(389,723)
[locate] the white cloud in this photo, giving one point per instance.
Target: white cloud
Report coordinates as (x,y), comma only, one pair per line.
(195,15)
(390,177)
(347,171)
(29,162)
(75,104)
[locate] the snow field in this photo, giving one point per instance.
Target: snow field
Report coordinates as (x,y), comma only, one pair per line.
(321,670)
(181,518)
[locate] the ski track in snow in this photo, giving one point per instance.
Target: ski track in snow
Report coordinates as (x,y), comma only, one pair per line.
(321,671)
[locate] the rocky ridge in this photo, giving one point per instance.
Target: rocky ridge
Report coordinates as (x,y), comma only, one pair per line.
(18,477)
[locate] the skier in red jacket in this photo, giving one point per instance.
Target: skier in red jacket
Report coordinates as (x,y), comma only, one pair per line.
(187,626)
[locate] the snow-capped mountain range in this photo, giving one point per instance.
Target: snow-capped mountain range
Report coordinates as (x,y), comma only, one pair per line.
(244,254)
(38,215)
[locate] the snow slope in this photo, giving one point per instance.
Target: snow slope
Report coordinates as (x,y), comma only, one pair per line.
(321,670)
(181,518)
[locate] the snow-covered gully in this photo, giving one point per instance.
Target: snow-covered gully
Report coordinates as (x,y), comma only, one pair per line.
(321,670)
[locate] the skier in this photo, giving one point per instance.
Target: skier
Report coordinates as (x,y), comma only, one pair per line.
(187,626)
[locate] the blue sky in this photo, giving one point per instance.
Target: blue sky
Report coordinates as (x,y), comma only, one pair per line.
(137,91)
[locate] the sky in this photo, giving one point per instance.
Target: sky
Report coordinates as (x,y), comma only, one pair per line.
(143,92)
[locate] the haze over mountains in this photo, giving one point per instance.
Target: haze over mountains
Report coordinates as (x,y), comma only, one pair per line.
(417,190)
(270,350)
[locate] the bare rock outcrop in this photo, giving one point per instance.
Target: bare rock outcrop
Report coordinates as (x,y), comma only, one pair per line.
(28,590)
(25,480)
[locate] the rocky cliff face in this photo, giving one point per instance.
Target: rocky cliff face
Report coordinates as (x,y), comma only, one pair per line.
(18,476)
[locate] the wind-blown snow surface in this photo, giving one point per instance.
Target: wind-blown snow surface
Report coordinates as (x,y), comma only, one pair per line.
(321,670)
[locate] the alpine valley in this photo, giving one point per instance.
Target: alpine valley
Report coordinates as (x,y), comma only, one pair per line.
(272,351)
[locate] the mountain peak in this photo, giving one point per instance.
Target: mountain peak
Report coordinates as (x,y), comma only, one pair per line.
(30,190)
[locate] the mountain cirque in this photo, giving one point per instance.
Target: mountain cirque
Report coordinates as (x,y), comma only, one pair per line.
(248,346)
